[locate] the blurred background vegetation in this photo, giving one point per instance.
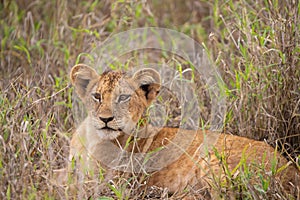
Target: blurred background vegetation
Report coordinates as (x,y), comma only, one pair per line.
(254,44)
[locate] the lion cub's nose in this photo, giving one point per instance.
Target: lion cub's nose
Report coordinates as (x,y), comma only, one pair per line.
(106,120)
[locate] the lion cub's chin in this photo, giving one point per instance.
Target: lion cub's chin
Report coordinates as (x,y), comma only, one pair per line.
(108,134)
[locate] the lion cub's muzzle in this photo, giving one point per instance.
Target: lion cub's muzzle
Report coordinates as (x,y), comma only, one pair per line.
(108,126)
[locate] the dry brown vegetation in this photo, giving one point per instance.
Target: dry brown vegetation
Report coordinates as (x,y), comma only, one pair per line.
(255,46)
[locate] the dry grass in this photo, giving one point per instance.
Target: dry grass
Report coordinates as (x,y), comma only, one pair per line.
(255,46)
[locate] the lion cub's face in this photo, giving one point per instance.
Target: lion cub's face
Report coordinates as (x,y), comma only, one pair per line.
(114,100)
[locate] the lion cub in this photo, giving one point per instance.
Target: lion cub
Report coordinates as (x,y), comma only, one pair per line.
(115,103)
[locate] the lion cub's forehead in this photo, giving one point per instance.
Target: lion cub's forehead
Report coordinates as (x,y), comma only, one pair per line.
(109,80)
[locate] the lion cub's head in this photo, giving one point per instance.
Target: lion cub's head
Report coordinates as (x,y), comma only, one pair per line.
(115,101)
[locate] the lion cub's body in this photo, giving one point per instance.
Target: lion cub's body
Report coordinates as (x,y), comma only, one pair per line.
(115,102)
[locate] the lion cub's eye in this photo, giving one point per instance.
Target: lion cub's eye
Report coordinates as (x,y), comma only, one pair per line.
(123,98)
(97,97)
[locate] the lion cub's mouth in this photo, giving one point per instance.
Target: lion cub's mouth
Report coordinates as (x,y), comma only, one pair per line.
(109,129)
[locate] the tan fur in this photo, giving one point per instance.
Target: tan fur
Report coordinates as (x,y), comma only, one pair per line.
(190,169)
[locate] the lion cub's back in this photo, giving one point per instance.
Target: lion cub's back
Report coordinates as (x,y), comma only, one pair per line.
(194,168)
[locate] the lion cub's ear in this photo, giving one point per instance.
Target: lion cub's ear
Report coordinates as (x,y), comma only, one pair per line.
(81,75)
(149,81)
